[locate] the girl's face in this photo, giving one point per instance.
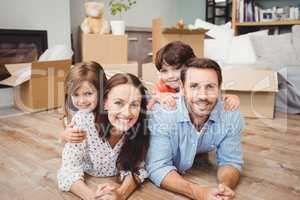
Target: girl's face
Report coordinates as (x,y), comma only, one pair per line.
(170,75)
(85,97)
(123,105)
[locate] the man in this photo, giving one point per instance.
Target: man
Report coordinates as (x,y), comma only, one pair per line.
(197,125)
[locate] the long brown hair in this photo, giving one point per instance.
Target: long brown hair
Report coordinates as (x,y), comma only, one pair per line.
(136,143)
(86,71)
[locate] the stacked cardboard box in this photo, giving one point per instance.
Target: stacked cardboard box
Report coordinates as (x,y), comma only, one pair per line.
(111,51)
(104,49)
(149,75)
(162,36)
(256,88)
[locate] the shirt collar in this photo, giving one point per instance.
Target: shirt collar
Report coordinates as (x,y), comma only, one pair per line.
(184,114)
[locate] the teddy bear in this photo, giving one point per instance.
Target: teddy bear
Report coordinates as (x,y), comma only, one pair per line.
(95,21)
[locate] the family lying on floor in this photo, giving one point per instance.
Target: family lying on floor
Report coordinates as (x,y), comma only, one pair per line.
(116,127)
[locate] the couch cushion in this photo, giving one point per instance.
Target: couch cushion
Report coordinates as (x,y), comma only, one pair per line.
(296,40)
(275,50)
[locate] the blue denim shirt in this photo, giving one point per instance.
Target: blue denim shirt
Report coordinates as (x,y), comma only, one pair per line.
(174,141)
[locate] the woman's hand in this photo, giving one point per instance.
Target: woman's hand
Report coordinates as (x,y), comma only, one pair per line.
(231,102)
(72,134)
(108,191)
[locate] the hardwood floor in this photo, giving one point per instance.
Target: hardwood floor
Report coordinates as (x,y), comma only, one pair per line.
(30,157)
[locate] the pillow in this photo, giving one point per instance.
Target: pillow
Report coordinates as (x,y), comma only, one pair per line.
(241,51)
(57,52)
(276,50)
(216,49)
(221,33)
(199,23)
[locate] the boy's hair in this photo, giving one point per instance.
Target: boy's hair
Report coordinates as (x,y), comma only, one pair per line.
(86,71)
(202,63)
(175,54)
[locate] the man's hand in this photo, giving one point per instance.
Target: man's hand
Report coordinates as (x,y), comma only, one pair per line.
(221,192)
(225,192)
(205,193)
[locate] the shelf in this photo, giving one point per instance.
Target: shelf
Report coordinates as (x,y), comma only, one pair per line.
(269,23)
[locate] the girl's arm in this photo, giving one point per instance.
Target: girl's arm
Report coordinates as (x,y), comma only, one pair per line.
(71,174)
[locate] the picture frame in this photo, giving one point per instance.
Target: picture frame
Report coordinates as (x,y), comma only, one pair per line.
(267,15)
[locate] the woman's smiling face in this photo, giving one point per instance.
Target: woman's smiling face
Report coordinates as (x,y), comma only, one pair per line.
(123,105)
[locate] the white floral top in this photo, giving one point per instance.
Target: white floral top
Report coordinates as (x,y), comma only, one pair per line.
(93,156)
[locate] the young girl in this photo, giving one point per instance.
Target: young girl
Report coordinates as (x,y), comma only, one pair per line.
(106,151)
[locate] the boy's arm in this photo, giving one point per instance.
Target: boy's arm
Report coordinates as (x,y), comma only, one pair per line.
(167,100)
(231,102)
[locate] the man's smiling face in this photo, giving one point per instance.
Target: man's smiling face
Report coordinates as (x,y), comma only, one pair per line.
(201,91)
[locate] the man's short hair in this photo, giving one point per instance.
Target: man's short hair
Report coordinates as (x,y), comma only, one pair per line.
(175,54)
(202,63)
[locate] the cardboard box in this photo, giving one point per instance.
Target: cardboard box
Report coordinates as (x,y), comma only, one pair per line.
(162,36)
(111,69)
(38,85)
(150,75)
(104,49)
(256,88)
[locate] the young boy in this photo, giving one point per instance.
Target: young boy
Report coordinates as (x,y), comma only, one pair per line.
(169,61)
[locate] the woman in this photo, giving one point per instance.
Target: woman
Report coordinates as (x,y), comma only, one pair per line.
(117,147)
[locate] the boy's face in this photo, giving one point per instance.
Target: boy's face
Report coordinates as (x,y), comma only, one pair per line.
(170,75)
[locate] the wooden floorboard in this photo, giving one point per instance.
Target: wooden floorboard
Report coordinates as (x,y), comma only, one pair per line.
(30,156)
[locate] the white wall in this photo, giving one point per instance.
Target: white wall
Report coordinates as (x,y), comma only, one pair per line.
(139,15)
(190,10)
(50,15)
(144,11)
